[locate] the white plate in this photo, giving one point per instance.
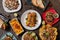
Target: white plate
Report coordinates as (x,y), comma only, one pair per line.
(23,20)
(26,33)
(7,10)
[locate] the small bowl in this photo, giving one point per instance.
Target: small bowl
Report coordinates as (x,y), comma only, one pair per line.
(27,32)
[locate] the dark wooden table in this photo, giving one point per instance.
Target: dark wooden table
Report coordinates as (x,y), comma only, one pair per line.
(56,6)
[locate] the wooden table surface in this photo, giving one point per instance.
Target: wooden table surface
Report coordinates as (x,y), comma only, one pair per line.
(56,6)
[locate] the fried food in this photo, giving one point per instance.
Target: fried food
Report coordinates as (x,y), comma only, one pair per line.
(16,26)
(47,32)
(31,19)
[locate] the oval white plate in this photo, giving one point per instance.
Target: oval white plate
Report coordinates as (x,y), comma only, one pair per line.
(7,10)
(23,20)
(26,33)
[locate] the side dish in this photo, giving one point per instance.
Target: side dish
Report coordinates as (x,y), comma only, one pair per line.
(16,26)
(31,19)
(30,36)
(11,4)
(47,32)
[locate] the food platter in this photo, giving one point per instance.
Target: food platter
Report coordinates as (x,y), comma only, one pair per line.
(24,16)
(32,22)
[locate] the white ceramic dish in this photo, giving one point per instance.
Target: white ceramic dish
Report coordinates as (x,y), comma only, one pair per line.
(26,33)
(7,10)
(23,20)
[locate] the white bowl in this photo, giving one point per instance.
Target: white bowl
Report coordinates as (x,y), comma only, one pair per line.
(23,20)
(8,10)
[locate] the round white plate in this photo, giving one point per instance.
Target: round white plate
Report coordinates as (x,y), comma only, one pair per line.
(7,10)
(23,20)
